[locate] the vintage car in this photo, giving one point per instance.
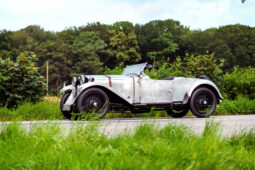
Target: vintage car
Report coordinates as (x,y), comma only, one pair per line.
(134,91)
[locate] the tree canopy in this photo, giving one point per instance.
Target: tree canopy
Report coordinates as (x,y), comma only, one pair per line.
(89,49)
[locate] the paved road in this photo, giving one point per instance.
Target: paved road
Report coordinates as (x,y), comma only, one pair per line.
(229,124)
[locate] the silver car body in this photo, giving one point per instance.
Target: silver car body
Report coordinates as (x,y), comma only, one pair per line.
(137,89)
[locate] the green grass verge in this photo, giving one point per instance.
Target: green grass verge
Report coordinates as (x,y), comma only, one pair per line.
(173,147)
(32,111)
(49,110)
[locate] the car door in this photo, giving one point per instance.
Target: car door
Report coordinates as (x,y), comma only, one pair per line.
(154,91)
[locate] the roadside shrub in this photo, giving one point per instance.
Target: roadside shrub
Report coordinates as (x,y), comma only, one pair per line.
(166,70)
(241,105)
(240,82)
(115,71)
(203,65)
(20,80)
(192,66)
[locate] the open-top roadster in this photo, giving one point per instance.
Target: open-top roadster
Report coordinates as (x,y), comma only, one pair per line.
(96,95)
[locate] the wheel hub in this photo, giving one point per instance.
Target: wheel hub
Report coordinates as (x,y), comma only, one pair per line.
(93,103)
(203,102)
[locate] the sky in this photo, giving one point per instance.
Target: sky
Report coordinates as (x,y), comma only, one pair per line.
(57,15)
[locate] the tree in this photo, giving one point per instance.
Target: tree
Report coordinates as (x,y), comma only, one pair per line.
(123,48)
(164,48)
(60,62)
(19,39)
(234,43)
(68,35)
(6,49)
(86,49)
(251,46)
(123,26)
(154,29)
(237,38)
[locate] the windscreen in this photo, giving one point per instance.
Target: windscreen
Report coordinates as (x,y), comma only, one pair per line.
(137,68)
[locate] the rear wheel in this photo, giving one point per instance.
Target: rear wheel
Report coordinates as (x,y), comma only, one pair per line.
(178,111)
(93,102)
(203,102)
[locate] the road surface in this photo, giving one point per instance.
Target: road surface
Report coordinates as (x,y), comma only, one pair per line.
(229,125)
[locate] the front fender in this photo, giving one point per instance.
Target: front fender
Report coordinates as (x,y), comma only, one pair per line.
(100,85)
(66,89)
(72,97)
(76,92)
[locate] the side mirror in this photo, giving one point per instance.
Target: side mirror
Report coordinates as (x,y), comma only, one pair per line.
(150,66)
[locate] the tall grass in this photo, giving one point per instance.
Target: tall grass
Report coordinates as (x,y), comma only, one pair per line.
(173,147)
(32,111)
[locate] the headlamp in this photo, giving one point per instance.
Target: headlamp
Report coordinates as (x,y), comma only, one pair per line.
(74,81)
(83,79)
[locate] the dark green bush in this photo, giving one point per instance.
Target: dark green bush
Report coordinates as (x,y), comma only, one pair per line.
(240,82)
(166,70)
(20,80)
(115,71)
(192,66)
(241,105)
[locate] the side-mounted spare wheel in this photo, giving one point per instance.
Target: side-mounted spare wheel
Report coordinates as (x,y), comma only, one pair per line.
(202,102)
(93,102)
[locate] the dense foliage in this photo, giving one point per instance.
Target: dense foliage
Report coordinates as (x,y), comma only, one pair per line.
(241,105)
(20,80)
(240,82)
(191,66)
(89,49)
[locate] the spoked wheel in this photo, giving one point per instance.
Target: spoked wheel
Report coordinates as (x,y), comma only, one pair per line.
(178,111)
(93,102)
(203,102)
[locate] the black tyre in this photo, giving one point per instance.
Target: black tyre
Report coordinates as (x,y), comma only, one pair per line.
(93,102)
(178,111)
(203,102)
(67,114)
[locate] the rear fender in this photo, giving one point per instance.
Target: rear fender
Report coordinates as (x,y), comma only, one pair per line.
(205,83)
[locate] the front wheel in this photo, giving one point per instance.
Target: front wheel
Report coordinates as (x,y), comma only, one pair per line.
(178,111)
(93,102)
(203,102)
